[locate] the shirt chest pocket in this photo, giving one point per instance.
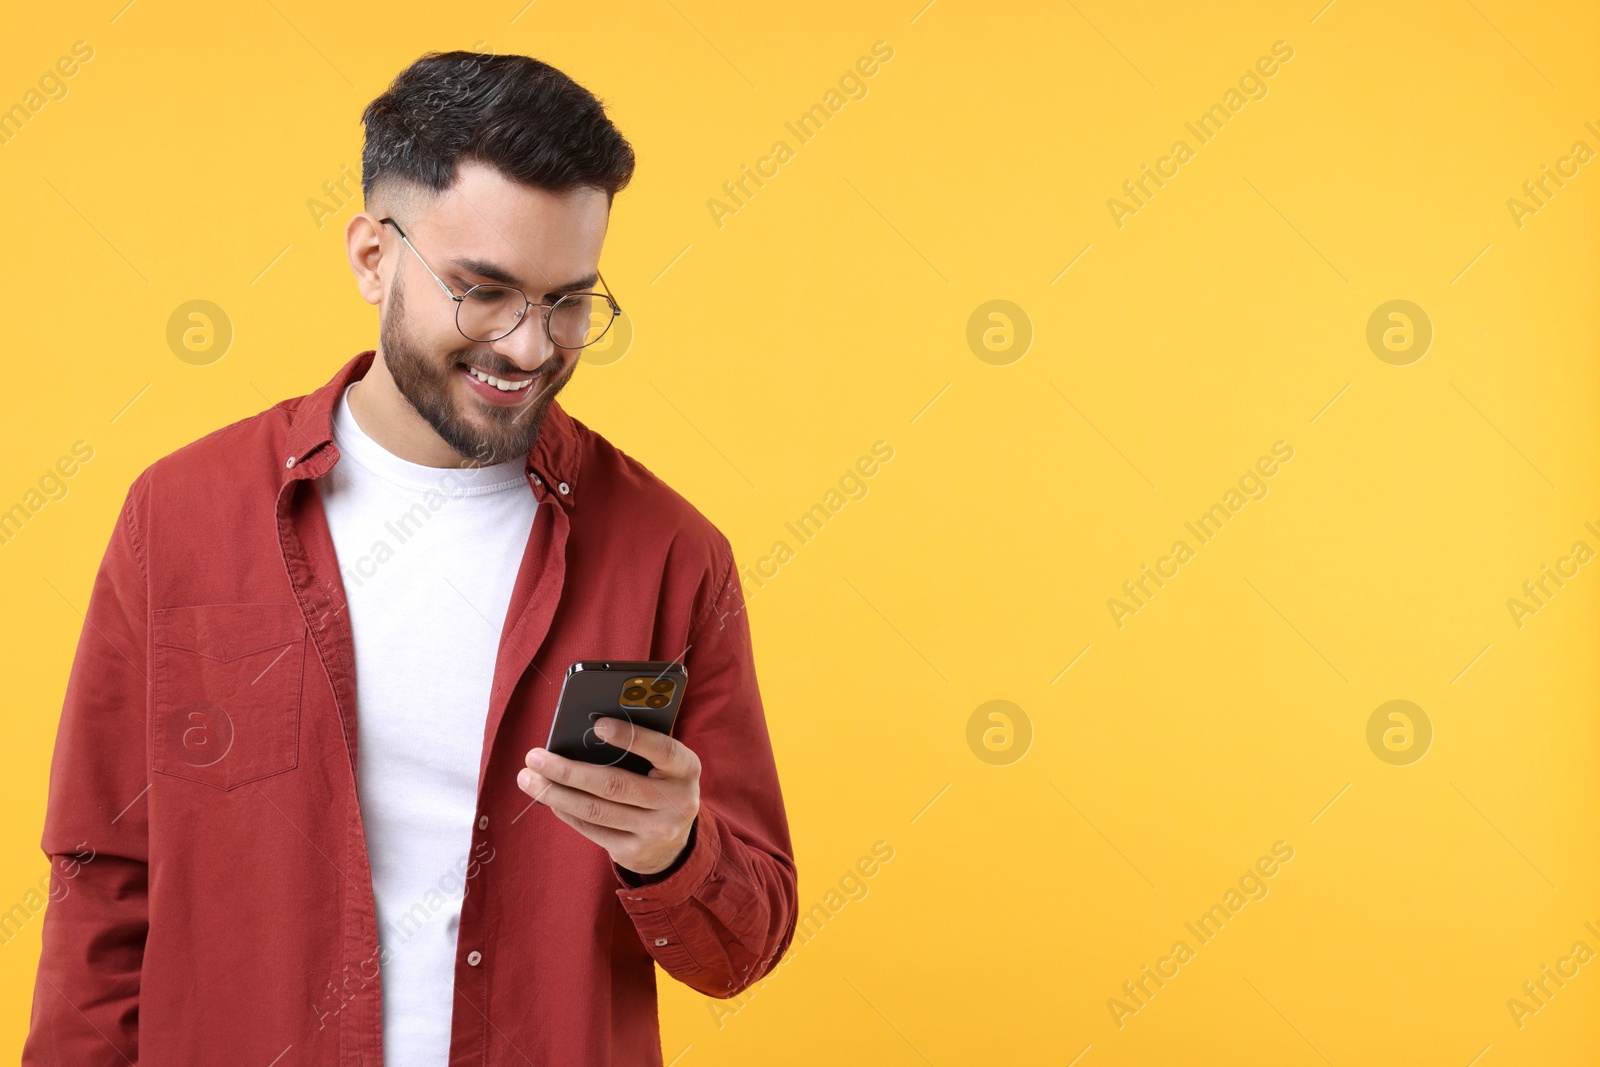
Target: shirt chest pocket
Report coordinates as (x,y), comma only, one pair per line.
(226,686)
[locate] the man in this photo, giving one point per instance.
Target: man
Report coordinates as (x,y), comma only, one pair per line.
(299,810)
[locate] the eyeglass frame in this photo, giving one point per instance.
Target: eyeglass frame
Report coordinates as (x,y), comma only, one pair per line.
(616,309)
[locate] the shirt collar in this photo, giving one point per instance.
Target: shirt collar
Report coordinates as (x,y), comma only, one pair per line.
(308,450)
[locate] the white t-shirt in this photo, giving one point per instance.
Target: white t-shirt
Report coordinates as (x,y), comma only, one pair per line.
(428,556)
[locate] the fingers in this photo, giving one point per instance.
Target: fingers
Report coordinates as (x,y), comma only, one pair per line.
(610,839)
(609,783)
(670,757)
(623,848)
(582,806)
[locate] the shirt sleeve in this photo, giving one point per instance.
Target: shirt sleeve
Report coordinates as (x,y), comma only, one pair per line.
(724,914)
(86,997)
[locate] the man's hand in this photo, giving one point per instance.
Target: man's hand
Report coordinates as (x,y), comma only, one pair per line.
(643,821)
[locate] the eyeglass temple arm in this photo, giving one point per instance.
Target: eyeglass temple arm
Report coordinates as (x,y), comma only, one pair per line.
(609,298)
(447,290)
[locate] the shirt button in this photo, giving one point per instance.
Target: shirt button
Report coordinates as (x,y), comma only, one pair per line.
(563,487)
(474,957)
(290,463)
(661,941)
(483,822)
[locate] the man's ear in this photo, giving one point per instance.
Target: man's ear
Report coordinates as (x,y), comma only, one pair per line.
(363,242)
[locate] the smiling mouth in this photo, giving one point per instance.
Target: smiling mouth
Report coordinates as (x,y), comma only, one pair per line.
(505,385)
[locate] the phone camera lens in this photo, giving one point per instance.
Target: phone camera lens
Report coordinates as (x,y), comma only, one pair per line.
(662,685)
(634,692)
(658,700)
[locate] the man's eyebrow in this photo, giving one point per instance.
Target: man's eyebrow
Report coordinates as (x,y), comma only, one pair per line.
(495,273)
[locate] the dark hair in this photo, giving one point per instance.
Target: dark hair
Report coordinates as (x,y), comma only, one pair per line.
(525,118)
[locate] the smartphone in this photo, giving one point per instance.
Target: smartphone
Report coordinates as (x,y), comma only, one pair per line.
(646,693)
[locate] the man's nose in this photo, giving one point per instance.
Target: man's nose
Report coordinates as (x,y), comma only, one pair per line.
(528,346)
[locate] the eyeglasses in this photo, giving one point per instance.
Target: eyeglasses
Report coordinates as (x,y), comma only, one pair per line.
(490,312)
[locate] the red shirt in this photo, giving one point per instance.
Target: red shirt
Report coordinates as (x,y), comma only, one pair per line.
(213,909)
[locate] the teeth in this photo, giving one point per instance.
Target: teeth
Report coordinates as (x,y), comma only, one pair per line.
(503,386)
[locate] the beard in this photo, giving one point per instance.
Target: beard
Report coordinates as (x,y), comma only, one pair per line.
(487,435)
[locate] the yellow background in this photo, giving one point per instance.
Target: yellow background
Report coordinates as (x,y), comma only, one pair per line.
(830,312)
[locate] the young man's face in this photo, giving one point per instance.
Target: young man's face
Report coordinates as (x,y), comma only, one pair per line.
(543,243)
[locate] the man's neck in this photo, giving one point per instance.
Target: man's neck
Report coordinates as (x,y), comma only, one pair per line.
(385,415)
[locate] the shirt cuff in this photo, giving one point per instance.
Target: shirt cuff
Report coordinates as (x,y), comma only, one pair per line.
(679,882)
